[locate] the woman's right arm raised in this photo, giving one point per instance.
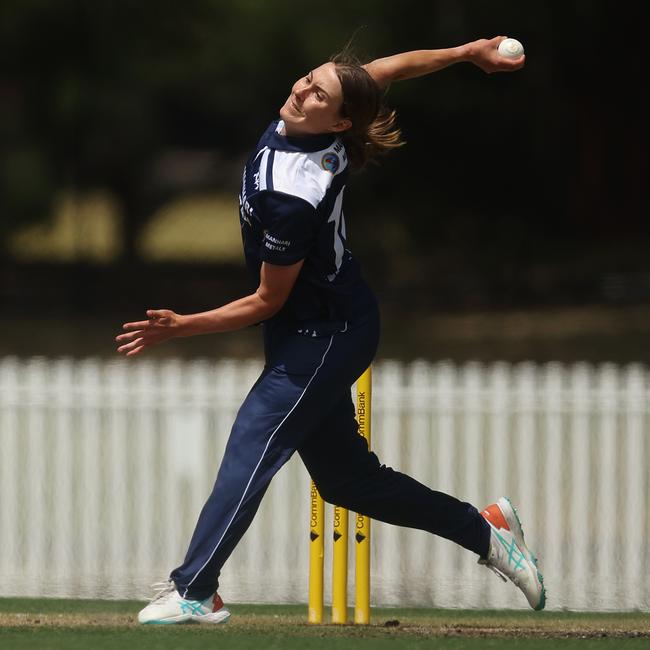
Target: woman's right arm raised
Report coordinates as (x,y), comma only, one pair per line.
(417,63)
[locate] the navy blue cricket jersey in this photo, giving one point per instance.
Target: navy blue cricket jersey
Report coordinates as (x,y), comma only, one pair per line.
(291,208)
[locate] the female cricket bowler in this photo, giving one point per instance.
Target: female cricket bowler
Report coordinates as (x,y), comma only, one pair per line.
(321,330)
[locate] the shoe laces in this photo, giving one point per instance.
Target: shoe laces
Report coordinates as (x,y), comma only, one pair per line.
(492,568)
(514,578)
(163,589)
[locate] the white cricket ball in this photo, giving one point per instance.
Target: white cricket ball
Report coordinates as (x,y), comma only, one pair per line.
(511,48)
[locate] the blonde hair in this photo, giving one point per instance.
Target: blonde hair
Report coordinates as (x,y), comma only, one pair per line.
(374,128)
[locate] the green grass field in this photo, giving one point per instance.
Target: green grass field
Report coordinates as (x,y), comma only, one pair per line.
(82,624)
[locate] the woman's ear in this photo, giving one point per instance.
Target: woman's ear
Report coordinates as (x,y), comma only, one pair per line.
(342,125)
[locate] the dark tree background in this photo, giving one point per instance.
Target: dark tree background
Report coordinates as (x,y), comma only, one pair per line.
(522,194)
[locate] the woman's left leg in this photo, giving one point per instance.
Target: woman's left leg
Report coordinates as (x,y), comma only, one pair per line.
(349,475)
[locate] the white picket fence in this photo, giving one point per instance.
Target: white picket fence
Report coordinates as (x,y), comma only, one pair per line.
(104,467)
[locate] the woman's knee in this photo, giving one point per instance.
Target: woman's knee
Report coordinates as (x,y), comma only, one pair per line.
(327,491)
(342,491)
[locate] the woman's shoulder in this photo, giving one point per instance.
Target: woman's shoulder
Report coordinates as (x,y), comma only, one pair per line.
(310,175)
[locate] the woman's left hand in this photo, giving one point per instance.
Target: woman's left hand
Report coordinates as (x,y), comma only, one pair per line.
(162,325)
(484,54)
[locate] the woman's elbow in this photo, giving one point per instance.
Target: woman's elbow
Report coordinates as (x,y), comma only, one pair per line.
(270,305)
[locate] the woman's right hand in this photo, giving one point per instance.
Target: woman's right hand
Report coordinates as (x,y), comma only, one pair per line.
(483,53)
(160,326)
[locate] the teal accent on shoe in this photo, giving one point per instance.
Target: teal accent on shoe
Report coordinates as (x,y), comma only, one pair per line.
(533,557)
(540,578)
(193,607)
(511,548)
(542,600)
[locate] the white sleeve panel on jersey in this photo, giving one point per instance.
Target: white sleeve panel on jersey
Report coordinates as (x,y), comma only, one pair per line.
(302,174)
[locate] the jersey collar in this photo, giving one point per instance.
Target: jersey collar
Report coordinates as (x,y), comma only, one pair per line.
(303,143)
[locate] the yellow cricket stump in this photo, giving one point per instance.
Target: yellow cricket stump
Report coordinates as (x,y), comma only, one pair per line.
(362,527)
(316,556)
(340,541)
(340,566)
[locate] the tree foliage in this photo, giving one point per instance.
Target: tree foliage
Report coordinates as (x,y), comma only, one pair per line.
(500,170)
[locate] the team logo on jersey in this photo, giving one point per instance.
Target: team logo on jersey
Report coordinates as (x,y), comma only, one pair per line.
(330,162)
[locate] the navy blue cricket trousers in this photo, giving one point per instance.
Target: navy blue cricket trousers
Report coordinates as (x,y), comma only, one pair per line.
(302,401)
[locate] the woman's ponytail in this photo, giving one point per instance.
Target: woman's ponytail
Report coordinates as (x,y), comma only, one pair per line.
(374,131)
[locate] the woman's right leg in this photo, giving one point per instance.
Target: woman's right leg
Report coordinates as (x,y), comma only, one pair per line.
(349,475)
(296,391)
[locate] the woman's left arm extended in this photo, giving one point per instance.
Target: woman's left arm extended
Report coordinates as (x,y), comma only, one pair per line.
(408,65)
(276,283)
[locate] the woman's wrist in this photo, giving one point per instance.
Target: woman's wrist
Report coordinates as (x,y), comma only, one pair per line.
(466,53)
(185,325)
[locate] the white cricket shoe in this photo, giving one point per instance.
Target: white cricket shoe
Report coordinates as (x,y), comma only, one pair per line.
(168,607)
(509,556)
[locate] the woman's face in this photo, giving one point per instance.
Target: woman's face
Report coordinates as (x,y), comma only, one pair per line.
(314,104)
